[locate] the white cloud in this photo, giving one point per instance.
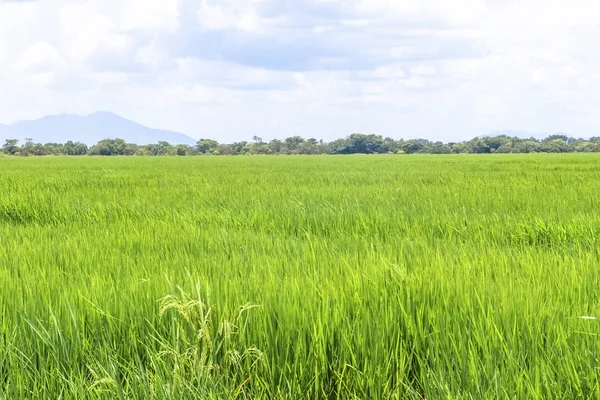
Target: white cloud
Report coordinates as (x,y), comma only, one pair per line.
(156,15)
(85,30)
(230,14)
(233,68)
(422,70)
(41,56)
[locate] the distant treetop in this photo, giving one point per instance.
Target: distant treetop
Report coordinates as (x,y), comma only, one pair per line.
(356,143)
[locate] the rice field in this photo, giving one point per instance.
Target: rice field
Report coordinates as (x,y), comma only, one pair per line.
(321,277)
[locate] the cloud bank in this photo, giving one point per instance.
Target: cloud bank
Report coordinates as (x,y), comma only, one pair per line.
(232,69)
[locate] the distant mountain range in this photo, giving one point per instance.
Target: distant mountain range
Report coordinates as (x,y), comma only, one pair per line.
(92,128)
(89,129)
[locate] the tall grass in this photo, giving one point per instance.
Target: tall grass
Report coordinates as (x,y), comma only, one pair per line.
(380,277)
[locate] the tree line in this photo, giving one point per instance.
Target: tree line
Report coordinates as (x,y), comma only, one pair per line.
(354,144)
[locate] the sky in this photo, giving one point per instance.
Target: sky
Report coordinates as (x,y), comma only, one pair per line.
(232,69)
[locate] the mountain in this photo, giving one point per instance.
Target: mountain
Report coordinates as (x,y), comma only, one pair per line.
(88,129)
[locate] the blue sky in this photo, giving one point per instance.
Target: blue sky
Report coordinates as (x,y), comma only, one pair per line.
(232,69)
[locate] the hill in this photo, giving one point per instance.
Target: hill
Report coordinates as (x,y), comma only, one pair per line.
(88,129)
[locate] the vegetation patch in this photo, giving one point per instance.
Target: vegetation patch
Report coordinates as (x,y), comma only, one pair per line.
(350,277)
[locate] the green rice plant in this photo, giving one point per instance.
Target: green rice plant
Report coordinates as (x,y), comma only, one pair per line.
(359,277)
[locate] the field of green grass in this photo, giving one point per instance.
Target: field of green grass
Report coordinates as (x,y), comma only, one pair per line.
(322,277)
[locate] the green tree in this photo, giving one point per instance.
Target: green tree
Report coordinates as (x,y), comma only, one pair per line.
(495,142)
(207,146)
(54,148)
(412,146)
(292,143)
(390,145)
(554,146)
(112,147)
(587,147)
(181,150)
(275,146)
(526,146)
(241,147)
(75,148)
(439,148)
(358,143)
(33,149)
(11,146)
